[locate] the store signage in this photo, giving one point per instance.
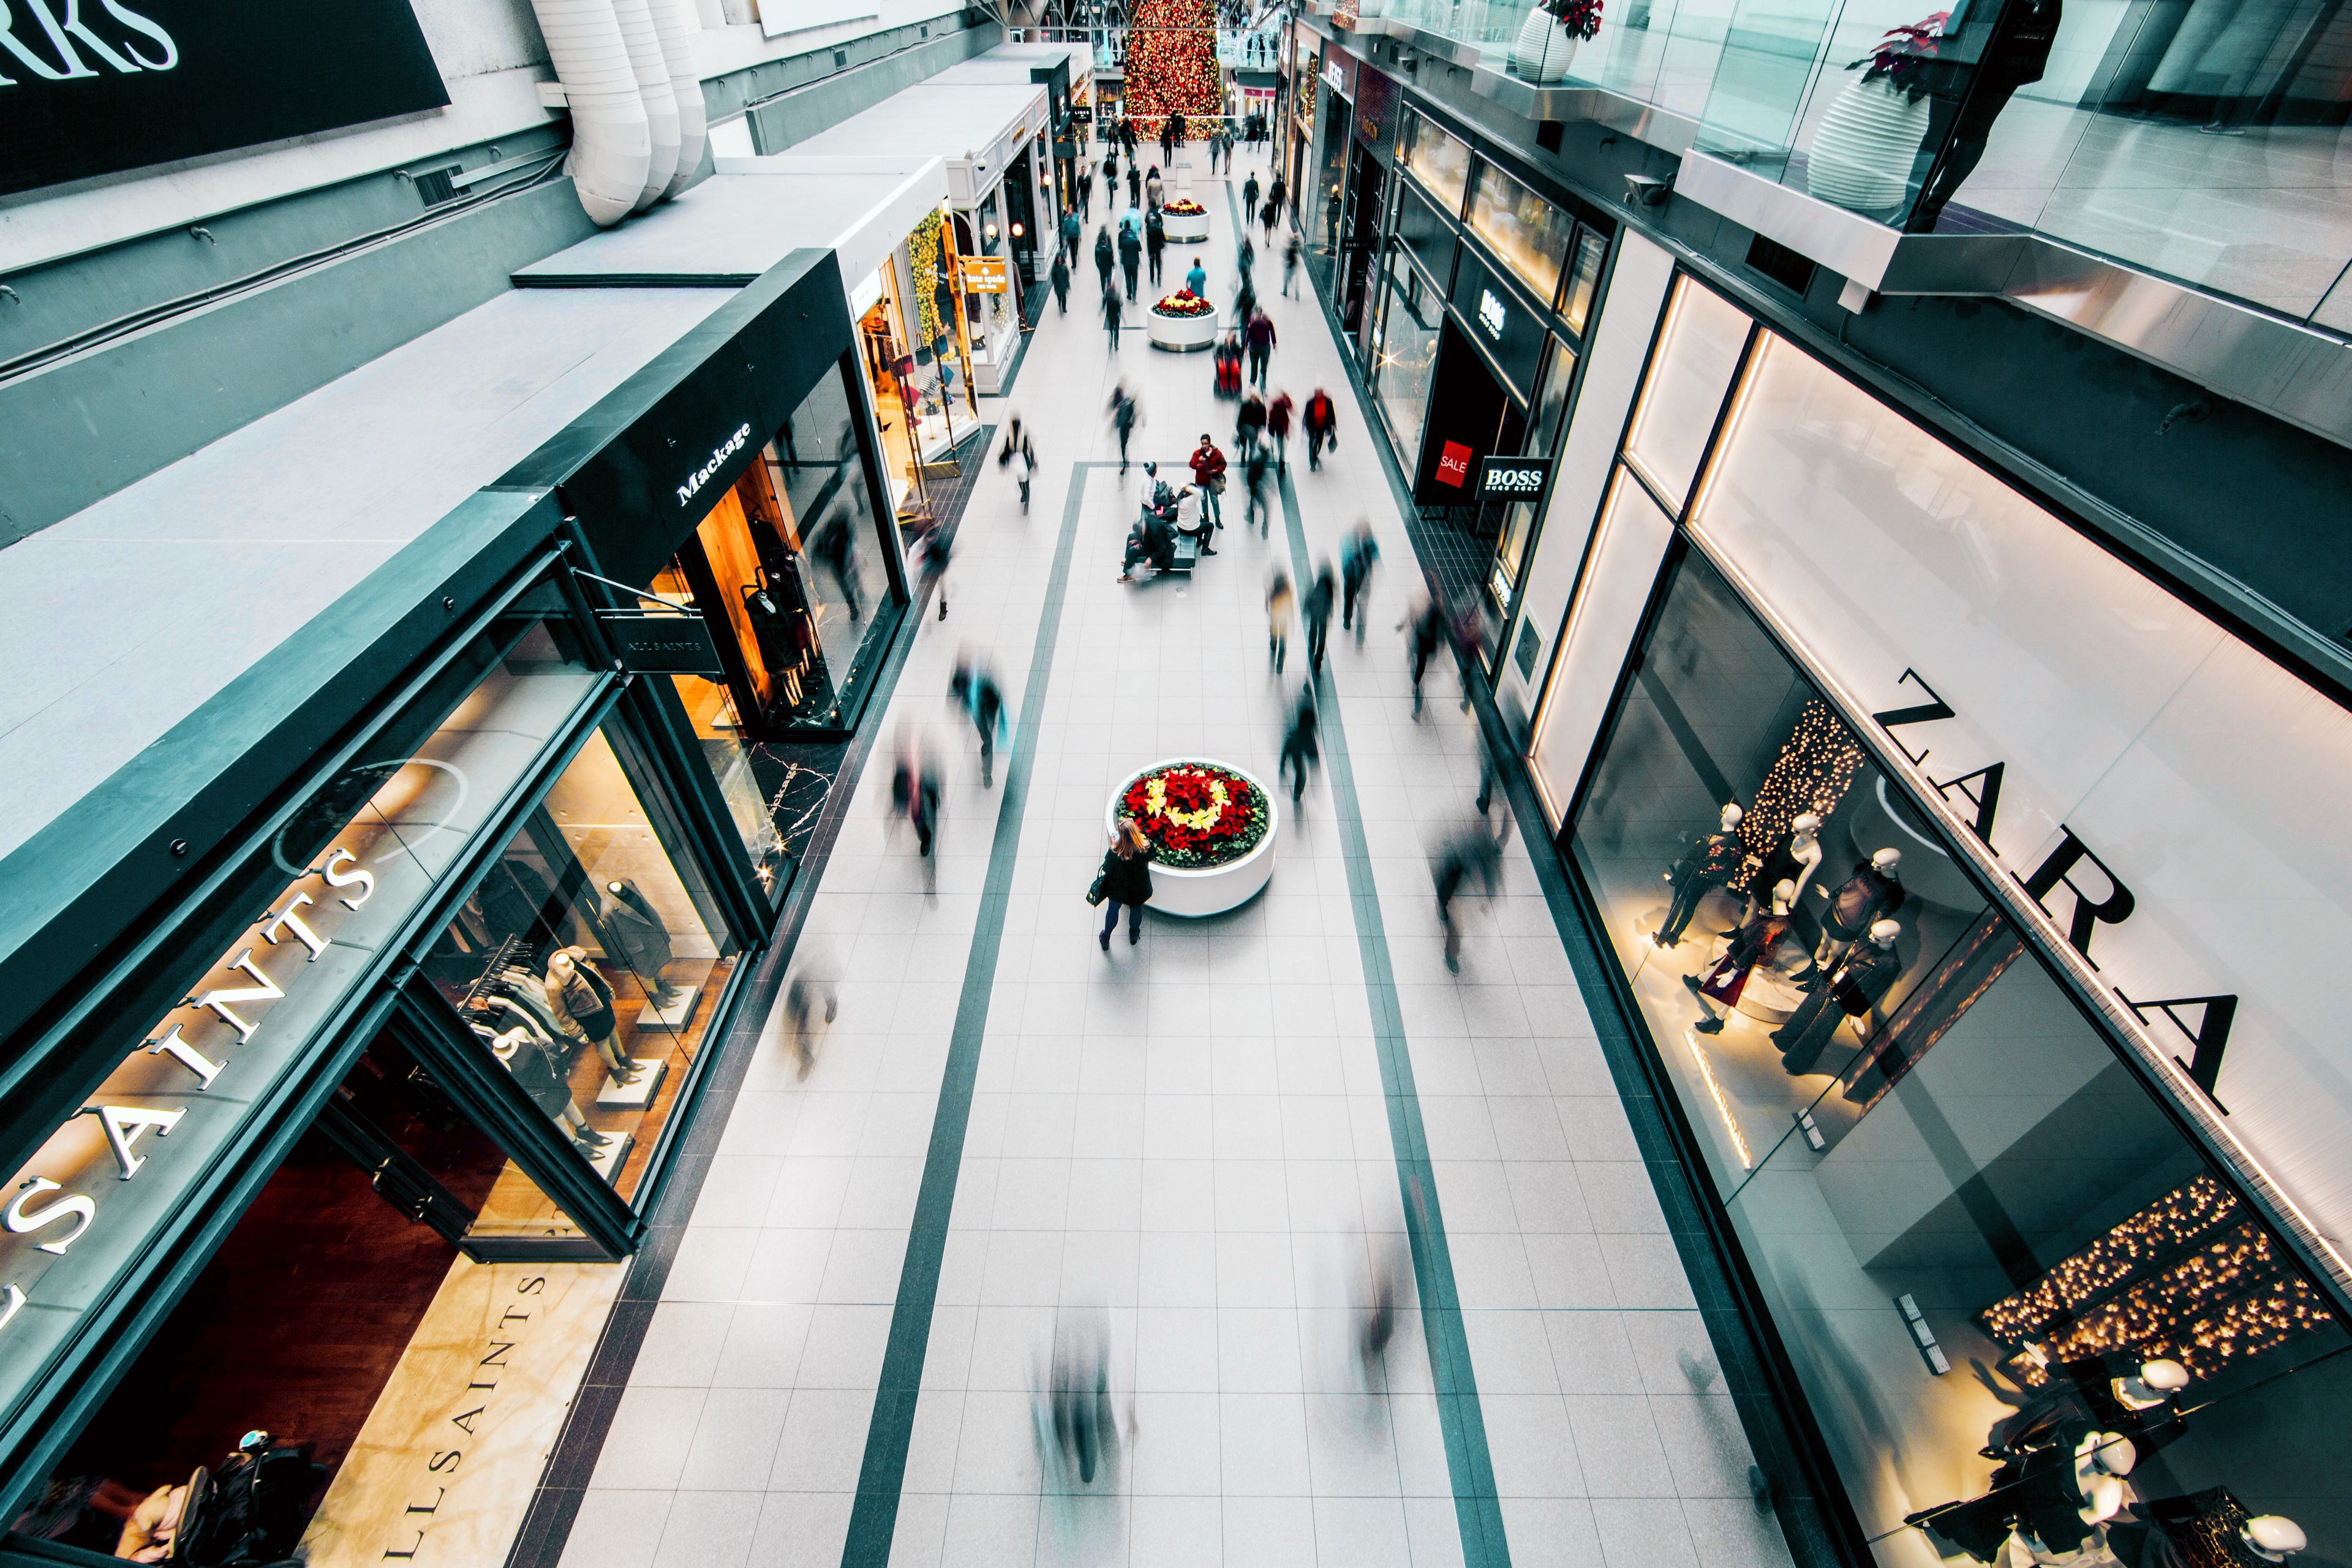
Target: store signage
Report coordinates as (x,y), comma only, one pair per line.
(1454,464)
(1335,76)
(984,275)
(1512,479)
(95,86)
(1491,314)
(662,642)
(718,456)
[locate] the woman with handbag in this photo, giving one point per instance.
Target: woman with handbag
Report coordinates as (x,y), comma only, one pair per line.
(1125,879)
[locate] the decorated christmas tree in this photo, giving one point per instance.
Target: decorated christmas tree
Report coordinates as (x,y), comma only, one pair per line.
(1172,63)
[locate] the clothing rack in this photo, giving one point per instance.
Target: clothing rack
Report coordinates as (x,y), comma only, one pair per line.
(499,959)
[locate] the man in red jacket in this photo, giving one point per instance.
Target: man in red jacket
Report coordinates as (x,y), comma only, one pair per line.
(1209,479)
(1321,420)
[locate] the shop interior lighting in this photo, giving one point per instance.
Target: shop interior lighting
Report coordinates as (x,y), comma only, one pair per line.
(1722,1106)
(1816,766)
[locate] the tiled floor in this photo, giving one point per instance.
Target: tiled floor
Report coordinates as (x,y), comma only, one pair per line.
(1193,1143)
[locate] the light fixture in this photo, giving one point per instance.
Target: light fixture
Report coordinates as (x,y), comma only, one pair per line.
(1017,231)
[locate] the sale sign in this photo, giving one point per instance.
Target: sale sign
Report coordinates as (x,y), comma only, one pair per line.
(1454,464)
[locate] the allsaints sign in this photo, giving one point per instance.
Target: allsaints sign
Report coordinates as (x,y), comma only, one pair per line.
(95,86)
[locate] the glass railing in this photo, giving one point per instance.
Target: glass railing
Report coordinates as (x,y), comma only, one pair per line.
(2203,140)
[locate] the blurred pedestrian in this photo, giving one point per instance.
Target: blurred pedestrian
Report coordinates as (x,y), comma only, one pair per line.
(1134,184)
(1470,852)
(1197,279)
(973,686)
(1276,195)
(1469,655)
(1424,628)
(938,550)
(1086,193)
(1268,214)
(1257,476)
(1320,419)
(1062,281)
(1131,253)
(1316,611)
(1259,341)
(1155,191)
(1125,415)
(1125,880)
(1298,743)
(1249,423)
(1277,425)
(1071,231)
(1292,250)
(1376,1324)
(1155,242)
(915,795)
(1112,312)
(1249,192)
(1075,1415)
(1104,260)
(1357,556)
(1246,258)
(1024,471)
(1277,620)
(811,990)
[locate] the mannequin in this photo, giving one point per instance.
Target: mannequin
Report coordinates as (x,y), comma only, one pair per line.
(534,1069)
(2273,1537)
(581,995)
(1873,892)
(2155,1383)
(1858,982)
(1750,945)
(1712,860)
(644,941)
(2140,1404)
(1794,861)
(2050,1506)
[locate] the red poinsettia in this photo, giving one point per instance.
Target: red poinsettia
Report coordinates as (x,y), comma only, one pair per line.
(1184,302)
(1197,814)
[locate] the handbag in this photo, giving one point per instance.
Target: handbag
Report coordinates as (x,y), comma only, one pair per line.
(1217,484)
(1100,891)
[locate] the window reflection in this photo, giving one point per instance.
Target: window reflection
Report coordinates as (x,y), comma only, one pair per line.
(1405,358)
(1439,161)
(1527,232)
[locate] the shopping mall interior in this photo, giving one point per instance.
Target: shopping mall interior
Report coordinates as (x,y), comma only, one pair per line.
(1176,782)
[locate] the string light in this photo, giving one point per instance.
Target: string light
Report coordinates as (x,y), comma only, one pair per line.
(1813,772)
(2190,1277)
(1722,1106)
(1172,63)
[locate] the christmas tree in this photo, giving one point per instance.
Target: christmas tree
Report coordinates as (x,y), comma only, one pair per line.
(1172,63)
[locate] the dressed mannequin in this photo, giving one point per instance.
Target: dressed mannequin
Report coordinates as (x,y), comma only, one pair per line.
(1858,982)
(1714,859)
(2138,1404)
(2273,1537)
(575,989)
(1793,861)
(2049,1507)
(644,941)
(1872,893)
(534,1069)
(1750,945)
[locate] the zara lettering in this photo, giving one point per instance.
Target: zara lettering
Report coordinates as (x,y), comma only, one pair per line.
(41,1206)
(2096,895)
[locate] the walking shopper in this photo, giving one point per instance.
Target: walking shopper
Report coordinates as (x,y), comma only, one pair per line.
(1024,471)
(1462,631)
(1259,340)
(1316,611)
(1321,421)
(1209,477)
(1086,193)
(1134,184)
(1124,414)
(1245,260)
(1071,232)
(1155,191)
(1293,249)
(1276,195)
(1424,627)
(1130,254)
(1155,241)
(1111,313)
(973,686)
(1277,620)
(1249,423)
(1125,880)
(1357,557)
(810,990)
(1062,282)
(915,795)
(1298,744)
(1103,261)
(938,546)
(1197,279)
(1269,215)
(1277,425)
(1471,852)
(1257,474)
(1249,192)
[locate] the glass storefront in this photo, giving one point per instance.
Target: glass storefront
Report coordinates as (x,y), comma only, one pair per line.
(2053,1279)
(1404,360)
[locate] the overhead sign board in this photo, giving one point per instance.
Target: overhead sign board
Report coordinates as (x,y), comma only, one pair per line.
(96,88)
(1512,479)
(984,275)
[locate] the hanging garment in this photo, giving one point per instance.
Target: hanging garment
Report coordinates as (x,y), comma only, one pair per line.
(1750,945)
(1860,900)
(529,993)
(644,941)
(1709,864)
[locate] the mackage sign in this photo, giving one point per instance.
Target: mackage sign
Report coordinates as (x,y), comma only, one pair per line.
(719,459)
(95,86)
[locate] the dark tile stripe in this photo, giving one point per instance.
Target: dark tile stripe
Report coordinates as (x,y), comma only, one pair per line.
(1478,1511)
(874,1518)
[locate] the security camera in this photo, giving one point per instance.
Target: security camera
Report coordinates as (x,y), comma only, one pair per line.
(1641,191)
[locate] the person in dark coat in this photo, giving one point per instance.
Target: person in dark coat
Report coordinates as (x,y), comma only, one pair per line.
(1062,283)
(1967,101)
(1316,609)
(1112,312)
(1130,257)
(1103,261)
(1299,748)
(1070,233)
(1277,426)
(1155,241)
(1127,880)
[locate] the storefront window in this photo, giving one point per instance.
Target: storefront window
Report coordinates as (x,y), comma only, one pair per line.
(1439,161)
(1527,232)
(591,961)
(1991,1254)
(1591,249)
(1406,358)
(1422,231)
(1697,353)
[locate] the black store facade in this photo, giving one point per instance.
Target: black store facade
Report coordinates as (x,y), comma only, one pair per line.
(1966,893)
(332,1101)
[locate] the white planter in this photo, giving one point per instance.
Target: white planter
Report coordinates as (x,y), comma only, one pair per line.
(1211,890)
(1185,228)
(1543,50)
(1180,333)
(1861,151)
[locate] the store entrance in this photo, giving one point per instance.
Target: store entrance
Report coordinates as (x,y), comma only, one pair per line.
(1021,215)
(1471,415)
(1361,237)
(266,1408)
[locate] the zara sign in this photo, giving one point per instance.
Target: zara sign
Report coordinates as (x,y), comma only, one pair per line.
(97,87)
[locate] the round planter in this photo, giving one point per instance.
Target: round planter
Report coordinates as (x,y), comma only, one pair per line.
(1543,50)
(1862,152)
(1181,334)
(1212,890)
(1185,228)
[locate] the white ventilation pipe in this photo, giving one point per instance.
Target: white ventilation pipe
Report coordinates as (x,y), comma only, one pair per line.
(611,141)
(675,27)
(637,18)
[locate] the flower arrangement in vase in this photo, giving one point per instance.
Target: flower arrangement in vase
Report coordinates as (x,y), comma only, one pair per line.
(1548,39)
(1861,151)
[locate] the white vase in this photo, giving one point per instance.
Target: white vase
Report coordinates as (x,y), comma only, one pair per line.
(1544,49)
(1862,152)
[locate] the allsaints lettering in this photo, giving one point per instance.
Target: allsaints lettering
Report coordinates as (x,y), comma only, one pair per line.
(59,1222)
(2094,895)
(70,36)
(442,1464)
